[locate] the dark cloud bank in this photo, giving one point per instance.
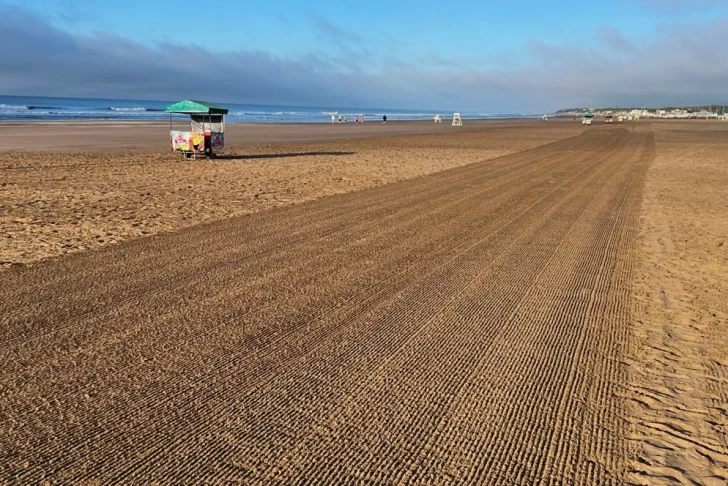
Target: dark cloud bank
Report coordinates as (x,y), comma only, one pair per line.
(685,64)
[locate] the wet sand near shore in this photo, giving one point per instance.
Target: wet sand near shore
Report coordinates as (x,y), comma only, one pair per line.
(133,135)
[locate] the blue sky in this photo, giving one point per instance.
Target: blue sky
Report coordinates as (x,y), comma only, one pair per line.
(496,56)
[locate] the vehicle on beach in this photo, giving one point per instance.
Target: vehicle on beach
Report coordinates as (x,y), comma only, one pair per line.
(609,119)
(206,136)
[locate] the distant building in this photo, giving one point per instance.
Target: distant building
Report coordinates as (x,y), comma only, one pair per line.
(704,114)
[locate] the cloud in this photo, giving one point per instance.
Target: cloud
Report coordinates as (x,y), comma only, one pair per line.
(614,40)
(72,11)
(434,59)
(48,60)
(335,34)
(351,51)
(685,64)
(52,11)
(676,67)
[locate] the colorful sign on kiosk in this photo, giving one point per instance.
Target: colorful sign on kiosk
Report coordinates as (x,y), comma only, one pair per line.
(206,136)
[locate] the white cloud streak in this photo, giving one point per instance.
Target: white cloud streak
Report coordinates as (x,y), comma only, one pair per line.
(685,64)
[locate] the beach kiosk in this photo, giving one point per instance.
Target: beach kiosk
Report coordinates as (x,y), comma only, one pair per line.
(206,136)
(587,118)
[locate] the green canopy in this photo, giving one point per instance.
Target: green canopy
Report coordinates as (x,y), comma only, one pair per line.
(588,114)
(191,107)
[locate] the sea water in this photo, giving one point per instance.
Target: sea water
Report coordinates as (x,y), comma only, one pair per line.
(28,108)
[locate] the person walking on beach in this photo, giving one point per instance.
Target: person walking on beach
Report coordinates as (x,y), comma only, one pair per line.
(384,119)
(339,117)
(332,118)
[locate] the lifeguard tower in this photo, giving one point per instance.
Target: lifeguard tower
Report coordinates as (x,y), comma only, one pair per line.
(206,136)
(457,121)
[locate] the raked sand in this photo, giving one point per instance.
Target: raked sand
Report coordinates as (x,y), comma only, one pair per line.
(528,303)
(62,202)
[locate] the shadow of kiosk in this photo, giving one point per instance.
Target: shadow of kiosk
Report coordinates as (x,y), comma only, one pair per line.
(206,136)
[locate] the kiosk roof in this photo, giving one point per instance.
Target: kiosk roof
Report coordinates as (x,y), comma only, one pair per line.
(190,107)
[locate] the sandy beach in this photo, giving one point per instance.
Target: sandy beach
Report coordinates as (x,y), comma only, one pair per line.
(57,202)
(678,369)
(121,136)
(511,302)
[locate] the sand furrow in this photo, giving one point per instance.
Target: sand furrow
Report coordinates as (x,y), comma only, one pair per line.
(424,294)
(464,327)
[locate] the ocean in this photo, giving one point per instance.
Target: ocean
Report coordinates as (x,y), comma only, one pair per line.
(28,108)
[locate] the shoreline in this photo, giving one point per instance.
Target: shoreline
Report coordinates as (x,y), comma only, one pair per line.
(445,121)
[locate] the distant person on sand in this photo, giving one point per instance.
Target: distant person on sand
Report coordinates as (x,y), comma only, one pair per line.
(384,119)
(333,118)
(362,118)
(339,118)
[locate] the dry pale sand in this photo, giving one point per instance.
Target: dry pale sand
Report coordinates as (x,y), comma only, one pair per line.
(57,203)
(679,365)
